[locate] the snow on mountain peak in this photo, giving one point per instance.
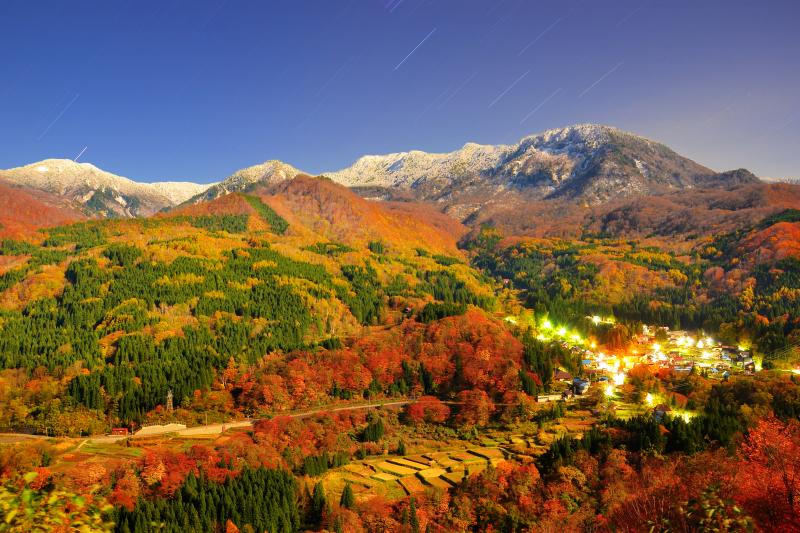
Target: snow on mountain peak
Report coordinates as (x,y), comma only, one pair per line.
(268,172)
(98,191)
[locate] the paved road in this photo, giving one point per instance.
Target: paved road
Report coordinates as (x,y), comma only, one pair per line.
(215,429)
(19,437)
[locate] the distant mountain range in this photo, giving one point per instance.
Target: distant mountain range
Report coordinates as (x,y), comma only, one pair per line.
(585,165)
(97,192)
(267,173)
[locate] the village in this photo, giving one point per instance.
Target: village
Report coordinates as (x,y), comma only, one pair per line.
(659,348)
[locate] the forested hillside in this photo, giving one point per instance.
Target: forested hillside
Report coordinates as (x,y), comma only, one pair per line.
(347,365)
(741,284)
(115,314)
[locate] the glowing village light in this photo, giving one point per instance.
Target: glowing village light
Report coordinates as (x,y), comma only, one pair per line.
(596,319)
(706,354)
(700,344)
(649,399)
(656,347)
(609,390)
(619,378)
(709,341)
(547,324)
(593,345)
(562,331)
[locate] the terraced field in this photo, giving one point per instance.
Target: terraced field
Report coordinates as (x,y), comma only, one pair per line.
(398,476)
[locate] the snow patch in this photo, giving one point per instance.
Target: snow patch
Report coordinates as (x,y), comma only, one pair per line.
(643,169)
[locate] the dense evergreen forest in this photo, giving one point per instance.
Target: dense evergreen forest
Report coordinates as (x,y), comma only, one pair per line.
(246,302)
(255,500)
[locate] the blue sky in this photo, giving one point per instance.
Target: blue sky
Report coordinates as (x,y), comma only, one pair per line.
(193,89)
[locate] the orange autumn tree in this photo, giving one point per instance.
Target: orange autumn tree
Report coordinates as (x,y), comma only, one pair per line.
(427,409)
(475,408)
(769,474)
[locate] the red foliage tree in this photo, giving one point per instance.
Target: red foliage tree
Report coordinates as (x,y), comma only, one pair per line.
(475,408)
(427,409)
(769,474)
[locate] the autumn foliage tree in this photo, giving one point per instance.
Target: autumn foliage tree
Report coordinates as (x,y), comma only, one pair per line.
(769,474)
(475,408)
(427,409)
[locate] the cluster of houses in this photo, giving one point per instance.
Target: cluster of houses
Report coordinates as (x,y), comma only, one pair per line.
(679,352)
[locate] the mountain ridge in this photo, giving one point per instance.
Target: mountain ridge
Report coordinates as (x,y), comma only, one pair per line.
(97,191)
(266,173)
(586,164)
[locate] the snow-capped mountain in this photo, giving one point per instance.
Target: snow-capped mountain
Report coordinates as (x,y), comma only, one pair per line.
(180,191)
(268,173)
(587,163)
(98,192)
(792,181)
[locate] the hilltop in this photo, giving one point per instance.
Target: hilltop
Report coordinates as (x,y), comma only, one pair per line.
(97,192)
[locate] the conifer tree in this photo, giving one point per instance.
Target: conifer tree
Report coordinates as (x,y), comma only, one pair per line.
(318,504)
(348,499)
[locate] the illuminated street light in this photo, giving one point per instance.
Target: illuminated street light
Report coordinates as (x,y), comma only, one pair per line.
(547,324)
(649,399)
(609,390)
(596,319)
(562,331)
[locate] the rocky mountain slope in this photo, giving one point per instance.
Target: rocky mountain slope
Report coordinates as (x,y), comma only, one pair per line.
(97,192)
(267,173)
(587,164)
(179,191)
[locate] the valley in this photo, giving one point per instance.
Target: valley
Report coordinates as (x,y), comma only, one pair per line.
(279,352)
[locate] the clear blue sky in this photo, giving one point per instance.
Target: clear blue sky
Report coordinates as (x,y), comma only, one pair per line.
(191,89)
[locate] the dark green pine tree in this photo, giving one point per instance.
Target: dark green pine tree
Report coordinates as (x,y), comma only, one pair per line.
(413,519)
(348,499)
(318,503)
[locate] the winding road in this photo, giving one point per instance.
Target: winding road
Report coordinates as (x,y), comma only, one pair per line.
(217,428)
